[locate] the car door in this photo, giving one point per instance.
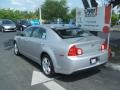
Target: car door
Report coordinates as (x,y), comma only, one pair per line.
(23,41)
(37,42)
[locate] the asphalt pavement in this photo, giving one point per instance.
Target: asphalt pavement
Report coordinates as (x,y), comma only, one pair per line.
(114,37)
(20,73)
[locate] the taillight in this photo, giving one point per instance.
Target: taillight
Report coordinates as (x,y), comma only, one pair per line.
(74,51)
(104,46)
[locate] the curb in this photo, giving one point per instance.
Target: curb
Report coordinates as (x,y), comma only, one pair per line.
(113,66)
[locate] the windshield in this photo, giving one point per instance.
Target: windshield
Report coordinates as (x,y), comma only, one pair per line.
(7,22)
(25,22)
(71,33)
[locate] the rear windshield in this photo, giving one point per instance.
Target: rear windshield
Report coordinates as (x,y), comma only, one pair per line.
(71,33)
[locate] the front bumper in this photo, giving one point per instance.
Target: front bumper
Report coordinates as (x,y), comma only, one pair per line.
(9,29)
(70,65)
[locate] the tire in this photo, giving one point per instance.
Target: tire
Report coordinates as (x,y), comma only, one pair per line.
(47,66)
(16,50)
(2,30)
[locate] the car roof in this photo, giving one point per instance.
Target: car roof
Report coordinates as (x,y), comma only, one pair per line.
(60,26)
(57,26)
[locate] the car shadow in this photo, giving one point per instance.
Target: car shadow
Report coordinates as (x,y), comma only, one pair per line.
(78,75)
(67,78)
(34,64)
(8,44)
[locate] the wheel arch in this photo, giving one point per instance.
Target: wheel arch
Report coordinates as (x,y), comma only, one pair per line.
(52,57)
(44,53)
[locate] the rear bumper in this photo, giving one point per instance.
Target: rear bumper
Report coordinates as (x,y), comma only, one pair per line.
(73,64)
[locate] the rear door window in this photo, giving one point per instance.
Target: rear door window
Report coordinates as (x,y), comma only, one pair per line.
(39,33)
(28,32)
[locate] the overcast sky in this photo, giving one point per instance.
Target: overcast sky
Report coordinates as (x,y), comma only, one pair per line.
(32,5)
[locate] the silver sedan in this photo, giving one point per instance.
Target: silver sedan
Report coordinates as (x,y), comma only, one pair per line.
(60,49)
(7,25)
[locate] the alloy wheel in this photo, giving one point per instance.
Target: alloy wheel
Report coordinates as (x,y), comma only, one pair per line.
(46,66)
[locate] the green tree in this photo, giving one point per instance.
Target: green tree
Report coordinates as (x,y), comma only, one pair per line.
(114,19)
(73,13)
(53,9)
(16,14)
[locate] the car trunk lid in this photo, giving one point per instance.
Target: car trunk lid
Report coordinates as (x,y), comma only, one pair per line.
(90,44)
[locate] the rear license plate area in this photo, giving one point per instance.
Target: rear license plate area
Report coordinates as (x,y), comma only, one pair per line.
(93,60)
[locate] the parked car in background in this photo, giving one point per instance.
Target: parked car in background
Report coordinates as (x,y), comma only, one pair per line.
(35,22)
(22,24)
(61,49)
(7,25)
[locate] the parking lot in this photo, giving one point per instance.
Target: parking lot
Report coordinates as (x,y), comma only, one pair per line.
(20,73)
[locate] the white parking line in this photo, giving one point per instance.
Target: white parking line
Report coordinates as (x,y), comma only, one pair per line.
(53,86)
(38,77)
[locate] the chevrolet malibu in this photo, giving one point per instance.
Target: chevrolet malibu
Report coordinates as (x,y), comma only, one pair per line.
(60,49)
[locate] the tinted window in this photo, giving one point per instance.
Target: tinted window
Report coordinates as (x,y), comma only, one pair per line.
(28,32)
(39,33)
(7,22)
(25,22)
(71,33)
